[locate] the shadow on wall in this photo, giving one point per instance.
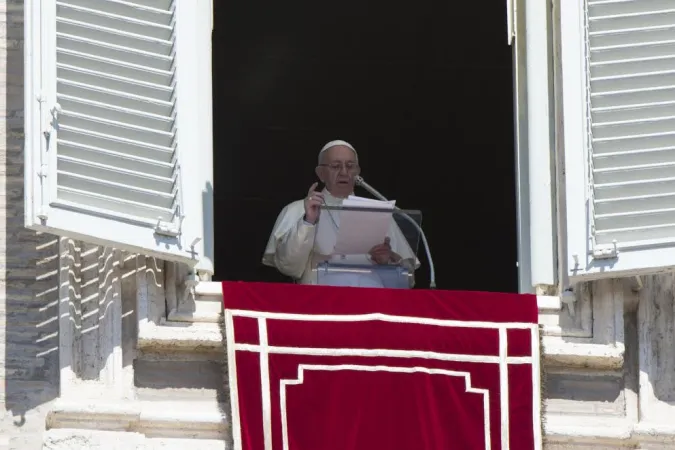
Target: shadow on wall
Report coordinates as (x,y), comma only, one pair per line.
(28,270)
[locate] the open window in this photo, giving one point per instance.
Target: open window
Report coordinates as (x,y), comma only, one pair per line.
(118,147)
(119,127)
(619,120)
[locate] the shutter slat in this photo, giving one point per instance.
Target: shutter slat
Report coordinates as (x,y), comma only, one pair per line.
(142,88)
(114,53)
(638,144)
(646,173)
(137,10)
(658,35)
(661,233)
(633,98)
(114,143)
(152,166)
(631,52)
(629,21)
(637,204)
(625,114)
(600,8)
(631,68)
(634,188)
(130,116)
(638,221)
(633,158)
(97,18)
(119,99)
(111,189)
(113,174)
(629,129)
(626,83)
(103,203)
(129,131)
(96,65)
(129,40)
(157,4)
(121,10)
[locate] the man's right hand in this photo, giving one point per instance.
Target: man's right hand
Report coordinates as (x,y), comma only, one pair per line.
(313,203)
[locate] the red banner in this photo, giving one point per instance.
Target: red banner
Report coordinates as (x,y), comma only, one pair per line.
(337,368)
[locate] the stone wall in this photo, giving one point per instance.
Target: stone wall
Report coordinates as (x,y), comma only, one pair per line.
(28,267)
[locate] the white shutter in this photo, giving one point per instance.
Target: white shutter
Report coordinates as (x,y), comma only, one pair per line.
(105,119)
(618,60)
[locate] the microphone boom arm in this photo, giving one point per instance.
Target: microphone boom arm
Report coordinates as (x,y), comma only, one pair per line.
(432,273)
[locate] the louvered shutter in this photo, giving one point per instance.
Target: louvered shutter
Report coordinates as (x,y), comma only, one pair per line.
(618,62)
(106,108)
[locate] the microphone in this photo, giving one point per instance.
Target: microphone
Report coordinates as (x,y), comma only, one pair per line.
(432,273)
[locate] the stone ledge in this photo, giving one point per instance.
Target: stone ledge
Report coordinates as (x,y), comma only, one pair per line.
(193,420)
(582,355)
(646,432)
(591,429)
(202,315)
(71,439)
(181,336)
(210,289)
(549,303)
(610,432)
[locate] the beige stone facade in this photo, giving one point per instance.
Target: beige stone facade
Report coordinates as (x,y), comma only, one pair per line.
(29,368)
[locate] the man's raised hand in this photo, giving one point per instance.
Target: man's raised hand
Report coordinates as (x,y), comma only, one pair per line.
(313,203)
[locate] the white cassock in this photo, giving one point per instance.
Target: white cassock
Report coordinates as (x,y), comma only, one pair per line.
(294,251)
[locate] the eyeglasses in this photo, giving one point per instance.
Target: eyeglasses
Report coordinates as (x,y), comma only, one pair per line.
(338,166)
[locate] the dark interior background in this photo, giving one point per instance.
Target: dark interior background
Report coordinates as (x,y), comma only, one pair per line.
(423,90)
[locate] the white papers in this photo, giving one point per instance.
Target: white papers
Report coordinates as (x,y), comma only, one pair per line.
(358,231)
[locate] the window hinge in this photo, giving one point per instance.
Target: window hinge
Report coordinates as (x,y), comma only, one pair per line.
(606,251)
(167,229)
(42,213)
(170,229)
(43,173)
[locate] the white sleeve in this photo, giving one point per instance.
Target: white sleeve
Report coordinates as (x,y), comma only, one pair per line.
(294,249)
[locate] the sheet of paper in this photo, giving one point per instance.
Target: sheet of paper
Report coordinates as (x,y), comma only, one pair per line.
(361,230)
(355,201)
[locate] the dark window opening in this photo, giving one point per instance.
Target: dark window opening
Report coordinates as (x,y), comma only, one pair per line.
(422,90)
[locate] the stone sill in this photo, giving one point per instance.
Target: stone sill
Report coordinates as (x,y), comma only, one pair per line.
(611,432)
(70,439)
(180,336)
(194,420)
(582,355)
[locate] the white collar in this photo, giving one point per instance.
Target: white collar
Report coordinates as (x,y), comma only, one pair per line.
(331,199)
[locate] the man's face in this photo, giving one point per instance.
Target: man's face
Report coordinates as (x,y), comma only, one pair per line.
(338,170)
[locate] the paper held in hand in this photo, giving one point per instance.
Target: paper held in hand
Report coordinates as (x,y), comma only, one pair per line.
(360,228)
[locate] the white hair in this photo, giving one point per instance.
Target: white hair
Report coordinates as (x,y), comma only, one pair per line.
(332,144)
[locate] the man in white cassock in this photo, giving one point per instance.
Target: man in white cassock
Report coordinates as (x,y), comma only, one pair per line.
(293,248)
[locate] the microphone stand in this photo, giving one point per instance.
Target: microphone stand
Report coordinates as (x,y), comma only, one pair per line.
(432,273)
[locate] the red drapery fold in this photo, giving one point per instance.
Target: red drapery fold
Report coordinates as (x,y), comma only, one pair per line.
(335,368)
